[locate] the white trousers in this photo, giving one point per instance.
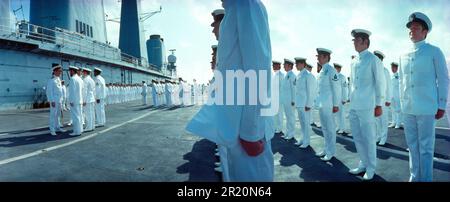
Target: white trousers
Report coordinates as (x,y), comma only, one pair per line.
(144,99)
(305,124)
(155,99)
(278,120)
(382,126)
(396,112)
(100,112)
(89,111)
(328,130)
(362,123)
(54,117)
(420,137)
(75,113)
(244,168)
(339,117)
(290,119)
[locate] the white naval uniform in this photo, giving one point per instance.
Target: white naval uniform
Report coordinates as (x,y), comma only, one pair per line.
(316,93)
(244,44)
(101,95)
(167,93)
(144,94)
(382,121)
(305,88)
(63,105)
(424,86)
(278,118)
(54,94)
(160,90)
(155,95)
(287,95)
(76,101)
(187,94)
(173,91)
(327,99)
(64,97)
(195,93)
(181,90)
(342,97)
(89,99)
(367,92)
(395,104)
(108,93)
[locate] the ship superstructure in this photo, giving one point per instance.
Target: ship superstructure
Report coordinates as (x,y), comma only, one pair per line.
(68,32)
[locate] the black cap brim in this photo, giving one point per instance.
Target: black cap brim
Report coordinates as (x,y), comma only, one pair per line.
(423,23)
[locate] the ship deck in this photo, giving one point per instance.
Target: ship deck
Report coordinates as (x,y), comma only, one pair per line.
(150,144)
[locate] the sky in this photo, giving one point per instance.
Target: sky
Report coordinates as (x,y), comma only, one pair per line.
(297,28)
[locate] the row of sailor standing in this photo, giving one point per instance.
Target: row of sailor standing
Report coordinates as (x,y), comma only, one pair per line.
(121,93)
(85,99)
(416,93)
(170,93)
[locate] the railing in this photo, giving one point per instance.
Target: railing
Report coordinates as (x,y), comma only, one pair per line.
(71,40)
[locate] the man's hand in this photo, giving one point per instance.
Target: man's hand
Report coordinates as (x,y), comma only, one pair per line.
(439,114)
(387,104)
(293,103)
(98,101)
(335,109)
(252,148)
(53,104)
(307,109)
(378,111)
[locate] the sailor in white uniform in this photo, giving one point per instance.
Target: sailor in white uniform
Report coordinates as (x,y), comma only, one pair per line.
(162,95)
(277,80)
(382,121)
(155,93)
(287,96)
(55,97)
(218,16)
(101,96)
(244,44)
(328,102)
(342,97)
(395,103)
(181,90)
(365,102)
(63,103)
(144,93)
(424,85)
(168,92)
(195,92)
(314,80)
(83,113)
(89,99)
(305,88)
(76,101)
